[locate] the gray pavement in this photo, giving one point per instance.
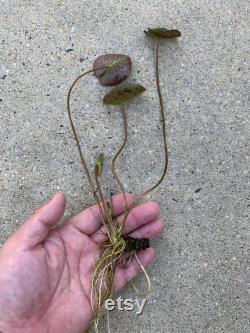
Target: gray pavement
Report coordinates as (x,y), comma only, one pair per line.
(201,273)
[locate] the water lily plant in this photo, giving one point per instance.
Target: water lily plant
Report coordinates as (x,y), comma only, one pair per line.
(111,70)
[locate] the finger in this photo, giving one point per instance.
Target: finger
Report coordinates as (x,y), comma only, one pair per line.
(149,230)
(124,275)
(89,220)
(138,217)
(36,229)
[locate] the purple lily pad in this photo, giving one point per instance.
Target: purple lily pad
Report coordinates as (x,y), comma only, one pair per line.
(118,68)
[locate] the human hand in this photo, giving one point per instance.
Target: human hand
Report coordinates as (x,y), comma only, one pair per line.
(45,272)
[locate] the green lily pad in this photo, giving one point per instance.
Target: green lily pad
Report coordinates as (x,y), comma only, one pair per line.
(123,95)
(118,68)
(162,33)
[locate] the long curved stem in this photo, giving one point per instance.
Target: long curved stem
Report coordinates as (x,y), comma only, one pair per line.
(105,208)
(125,126)
(164,134)
(84,165)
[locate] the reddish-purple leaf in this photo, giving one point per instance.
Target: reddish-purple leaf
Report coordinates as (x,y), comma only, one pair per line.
(117,68)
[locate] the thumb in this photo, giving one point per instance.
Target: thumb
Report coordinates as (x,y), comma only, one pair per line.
(36,229)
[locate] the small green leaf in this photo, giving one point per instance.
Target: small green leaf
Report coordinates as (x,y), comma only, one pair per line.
(123,95)
(162,33)
(99,165)
(118,68)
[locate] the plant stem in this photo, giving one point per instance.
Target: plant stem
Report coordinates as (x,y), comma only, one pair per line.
(105,207)
(137,200)
(125,127)
(84,165)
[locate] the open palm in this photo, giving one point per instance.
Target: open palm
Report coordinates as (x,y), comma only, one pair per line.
(46,270)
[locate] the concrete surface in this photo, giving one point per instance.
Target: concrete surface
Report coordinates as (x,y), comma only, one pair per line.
(201,274)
